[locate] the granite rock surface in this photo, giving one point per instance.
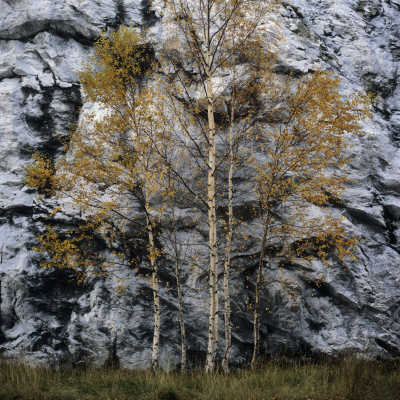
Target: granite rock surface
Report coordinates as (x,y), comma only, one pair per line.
(48,318)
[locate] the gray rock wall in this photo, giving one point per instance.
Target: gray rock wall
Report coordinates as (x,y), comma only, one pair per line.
(48,318)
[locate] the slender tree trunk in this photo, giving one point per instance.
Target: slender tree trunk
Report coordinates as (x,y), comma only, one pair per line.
(213,272)
(181,322)
(256,320)
(212,214)
(156,300)
(156,294)
(180,303)
(228,245)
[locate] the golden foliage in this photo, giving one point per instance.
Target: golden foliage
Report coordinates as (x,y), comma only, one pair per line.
(121,59)
(303,163)
(110,172)
(39,174)
(73,250)
(138,148)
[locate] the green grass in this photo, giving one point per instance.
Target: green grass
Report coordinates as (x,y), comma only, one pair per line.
(345,380)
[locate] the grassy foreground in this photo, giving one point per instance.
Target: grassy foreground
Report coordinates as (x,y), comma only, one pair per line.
(346,380)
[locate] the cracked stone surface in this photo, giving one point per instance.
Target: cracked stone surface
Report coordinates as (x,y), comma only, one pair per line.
(45,316)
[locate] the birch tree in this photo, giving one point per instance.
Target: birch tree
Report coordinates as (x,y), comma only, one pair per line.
(111,172)
(301,166)
(185,131)
(200,30)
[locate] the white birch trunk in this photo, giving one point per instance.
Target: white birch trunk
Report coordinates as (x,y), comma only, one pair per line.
(212,222)
(156,294)
(212,215)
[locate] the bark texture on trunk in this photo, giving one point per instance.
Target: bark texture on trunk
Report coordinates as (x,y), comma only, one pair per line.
(156,294)
(212,219)
(213,269)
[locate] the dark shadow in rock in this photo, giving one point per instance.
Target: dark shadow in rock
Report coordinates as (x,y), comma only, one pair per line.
(391,349)
(148,14)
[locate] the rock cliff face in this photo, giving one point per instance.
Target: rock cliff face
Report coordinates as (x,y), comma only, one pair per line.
(46,317)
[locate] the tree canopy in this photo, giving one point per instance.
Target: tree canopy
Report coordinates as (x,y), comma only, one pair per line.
(180,125)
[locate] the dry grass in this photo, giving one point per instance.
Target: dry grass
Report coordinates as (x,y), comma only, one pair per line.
(345,380)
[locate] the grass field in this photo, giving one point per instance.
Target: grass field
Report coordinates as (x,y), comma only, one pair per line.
(344,380)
